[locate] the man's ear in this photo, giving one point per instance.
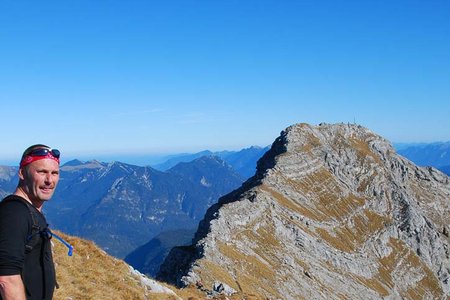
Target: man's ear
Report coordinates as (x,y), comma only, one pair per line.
(21,173)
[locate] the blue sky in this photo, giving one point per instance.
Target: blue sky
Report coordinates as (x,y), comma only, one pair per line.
(99,78)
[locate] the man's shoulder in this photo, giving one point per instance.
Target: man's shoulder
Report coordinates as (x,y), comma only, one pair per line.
(15,218)
(13,197)
(14,202)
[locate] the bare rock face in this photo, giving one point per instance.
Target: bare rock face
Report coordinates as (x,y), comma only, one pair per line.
(332,213)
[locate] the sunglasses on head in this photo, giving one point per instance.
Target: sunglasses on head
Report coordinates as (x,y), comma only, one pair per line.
(44,152)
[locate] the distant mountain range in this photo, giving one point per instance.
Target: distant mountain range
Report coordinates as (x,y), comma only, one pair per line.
(433,154)
(122,206)
(142,212)
(8,180)
(243,161)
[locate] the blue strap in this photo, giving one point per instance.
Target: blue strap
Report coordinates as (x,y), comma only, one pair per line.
(64,242)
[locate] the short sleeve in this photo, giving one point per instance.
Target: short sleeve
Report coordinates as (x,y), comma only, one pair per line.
(14,229)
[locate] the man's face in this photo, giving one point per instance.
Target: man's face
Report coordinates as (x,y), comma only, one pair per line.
(40,179)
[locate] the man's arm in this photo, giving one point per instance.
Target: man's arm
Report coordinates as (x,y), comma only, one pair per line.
(14,229)
(11,287)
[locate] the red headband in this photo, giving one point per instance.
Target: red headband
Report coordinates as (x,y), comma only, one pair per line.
(28,159)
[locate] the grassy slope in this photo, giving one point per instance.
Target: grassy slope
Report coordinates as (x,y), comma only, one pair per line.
(92,274)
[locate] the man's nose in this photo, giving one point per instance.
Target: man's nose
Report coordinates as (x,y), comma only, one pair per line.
(48,178)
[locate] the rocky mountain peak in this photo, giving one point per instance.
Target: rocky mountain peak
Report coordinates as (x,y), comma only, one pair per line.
(332,212)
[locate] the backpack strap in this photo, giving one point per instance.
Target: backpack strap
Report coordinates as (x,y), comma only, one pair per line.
(33,235)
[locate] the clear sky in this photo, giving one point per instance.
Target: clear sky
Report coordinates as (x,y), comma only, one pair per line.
(97,78)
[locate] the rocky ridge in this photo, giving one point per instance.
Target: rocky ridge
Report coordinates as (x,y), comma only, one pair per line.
(332,212)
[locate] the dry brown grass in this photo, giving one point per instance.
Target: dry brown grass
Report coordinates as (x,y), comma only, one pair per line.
(363,151)
(402,259)
(249,273)
(326,194)
(312,143)
(92,274)
(348,239)
(288,203)
(366,181)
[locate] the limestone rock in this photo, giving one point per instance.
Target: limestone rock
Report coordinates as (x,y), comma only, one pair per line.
(332,212)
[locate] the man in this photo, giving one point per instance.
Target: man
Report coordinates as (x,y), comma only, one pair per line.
(26,262)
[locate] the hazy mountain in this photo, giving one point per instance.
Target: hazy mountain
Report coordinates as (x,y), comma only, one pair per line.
(8,180)
(433,154)
(121,206)
(332,212)
(402,146)
(206,170)
(207,179)
(243,161)
(179,158)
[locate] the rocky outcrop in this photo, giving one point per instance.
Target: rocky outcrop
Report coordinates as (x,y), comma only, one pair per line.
(331,213)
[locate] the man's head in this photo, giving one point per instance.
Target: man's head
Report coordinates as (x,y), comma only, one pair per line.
(39,173)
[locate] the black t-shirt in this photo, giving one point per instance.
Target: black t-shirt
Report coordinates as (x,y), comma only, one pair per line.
(36,267)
